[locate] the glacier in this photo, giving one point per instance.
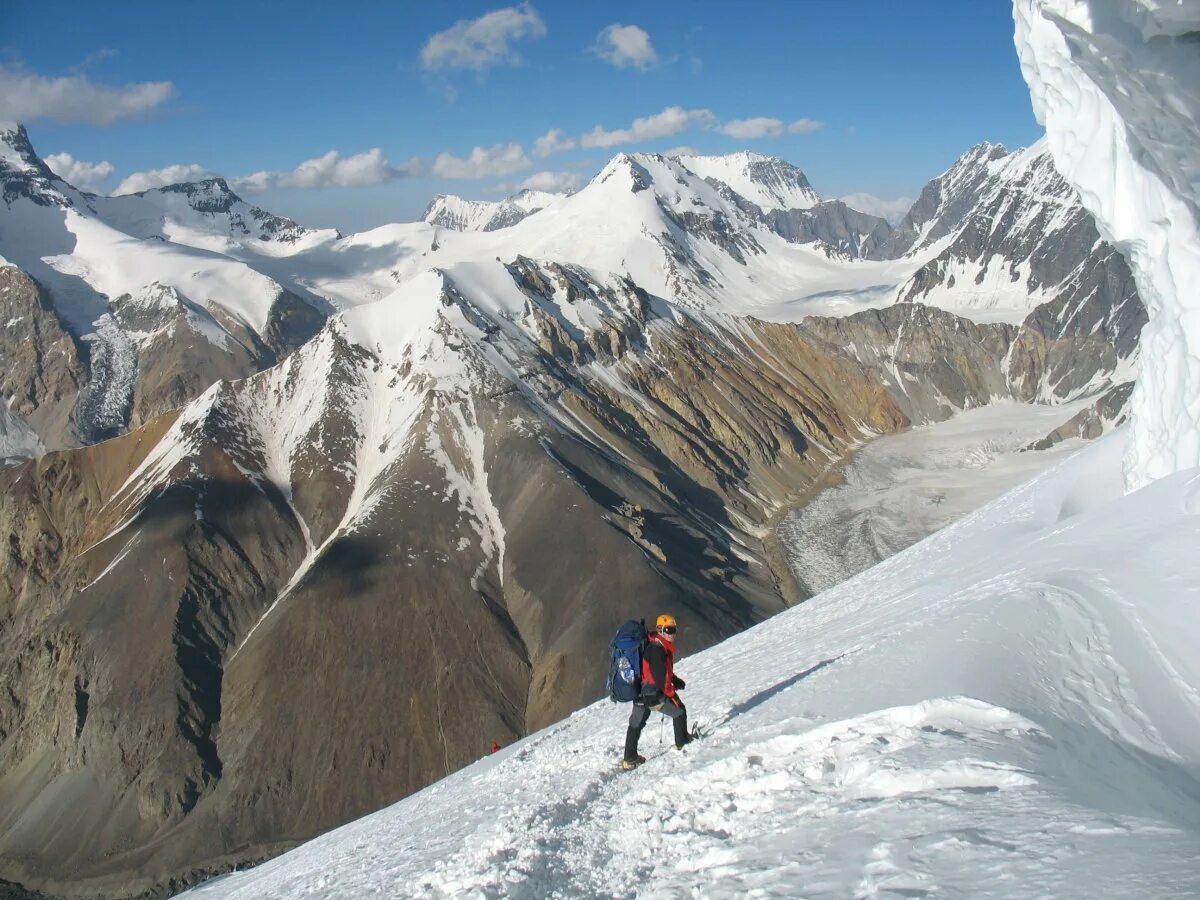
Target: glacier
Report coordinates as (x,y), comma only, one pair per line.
(1116,83)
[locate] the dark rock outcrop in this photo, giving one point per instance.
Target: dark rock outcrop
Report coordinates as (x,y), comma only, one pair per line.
(44,366)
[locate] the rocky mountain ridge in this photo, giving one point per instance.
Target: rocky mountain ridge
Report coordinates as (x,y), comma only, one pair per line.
(492,446)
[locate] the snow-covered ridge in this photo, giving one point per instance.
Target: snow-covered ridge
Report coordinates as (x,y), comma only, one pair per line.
(767,181)
(209,215)
(1117,86)
(962,709)
(459,214)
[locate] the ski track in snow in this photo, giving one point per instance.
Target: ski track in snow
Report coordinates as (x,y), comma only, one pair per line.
(1006,708)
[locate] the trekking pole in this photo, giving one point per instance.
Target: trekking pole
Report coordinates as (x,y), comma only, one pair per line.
(660,727)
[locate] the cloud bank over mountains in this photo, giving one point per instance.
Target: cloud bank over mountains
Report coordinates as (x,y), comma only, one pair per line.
(469,46)
(26,96)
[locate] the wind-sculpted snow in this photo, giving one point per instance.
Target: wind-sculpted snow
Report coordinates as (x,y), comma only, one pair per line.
(1006,708)
(1117,85)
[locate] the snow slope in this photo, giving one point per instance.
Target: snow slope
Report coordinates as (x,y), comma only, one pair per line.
(1116,83)
(1010,707)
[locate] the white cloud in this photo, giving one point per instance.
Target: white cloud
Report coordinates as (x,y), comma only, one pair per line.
(555,182)
(332,170)
(156,178)
(25,96)
(625,46)
(671,120)
(805,126)
(480,43)
(750,129)
(329,170)
(765,127)
(502,159)
(553,141)
(255,182)
(892,210)
(78,172)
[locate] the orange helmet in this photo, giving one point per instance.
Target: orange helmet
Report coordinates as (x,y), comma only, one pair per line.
(665,621)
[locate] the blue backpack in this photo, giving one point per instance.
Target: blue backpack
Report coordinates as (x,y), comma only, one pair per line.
(625,666)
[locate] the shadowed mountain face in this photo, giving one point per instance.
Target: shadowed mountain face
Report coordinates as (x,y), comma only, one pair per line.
(323,562)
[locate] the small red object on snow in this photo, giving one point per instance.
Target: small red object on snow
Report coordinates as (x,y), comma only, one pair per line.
(495,746)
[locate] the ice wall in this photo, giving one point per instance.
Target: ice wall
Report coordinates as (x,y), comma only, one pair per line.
(1116,83)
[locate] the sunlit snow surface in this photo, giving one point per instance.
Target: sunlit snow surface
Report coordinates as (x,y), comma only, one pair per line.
(1008,708)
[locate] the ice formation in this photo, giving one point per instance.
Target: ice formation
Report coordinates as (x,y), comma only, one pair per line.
(1116,83)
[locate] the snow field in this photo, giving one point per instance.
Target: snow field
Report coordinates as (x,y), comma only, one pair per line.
(1007,708)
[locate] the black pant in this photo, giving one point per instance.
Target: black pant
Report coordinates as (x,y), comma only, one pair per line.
(672,709)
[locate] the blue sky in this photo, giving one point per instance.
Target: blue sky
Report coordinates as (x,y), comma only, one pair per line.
(880,96)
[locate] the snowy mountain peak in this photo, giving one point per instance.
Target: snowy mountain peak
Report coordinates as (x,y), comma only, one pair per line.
(207,214)
(460,214)
(532,200)
(768,181)
(980,157)
(15,149)
(24,174)
(209,195)
(947,199)
(626,170)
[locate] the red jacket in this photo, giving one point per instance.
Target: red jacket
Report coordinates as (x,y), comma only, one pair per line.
(658,666)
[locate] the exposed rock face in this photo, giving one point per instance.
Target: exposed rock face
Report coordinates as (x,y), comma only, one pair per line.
(22,172)
(1029,233)
(180,348)
(42,372)
(947,200)
(933,362)
(846,231)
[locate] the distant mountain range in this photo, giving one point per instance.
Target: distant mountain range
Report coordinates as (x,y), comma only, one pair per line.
(330,513)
